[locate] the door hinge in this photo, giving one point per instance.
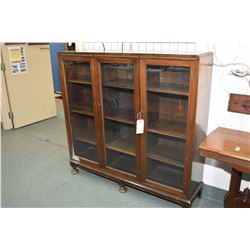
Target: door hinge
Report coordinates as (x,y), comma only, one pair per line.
(2,66)
(11,115)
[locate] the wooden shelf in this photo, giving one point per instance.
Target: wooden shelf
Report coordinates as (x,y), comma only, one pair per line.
(168,90)
(82,112)
(119,84)
(119,119)
(167,154)
(80,82)
(123,115)
(122,145)
(168,128)
(87,137)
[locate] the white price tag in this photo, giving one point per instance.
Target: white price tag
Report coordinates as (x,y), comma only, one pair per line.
(140,126)
(74,157)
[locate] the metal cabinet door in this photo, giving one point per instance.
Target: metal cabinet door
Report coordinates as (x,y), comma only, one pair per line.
(31,94)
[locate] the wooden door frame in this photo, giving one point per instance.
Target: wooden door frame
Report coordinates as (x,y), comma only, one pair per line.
(76,58)
(191,114)
(119,60)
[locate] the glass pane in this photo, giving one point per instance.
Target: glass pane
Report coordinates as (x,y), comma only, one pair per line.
(166,174)
(120,146)
(84,137)
(80,97)
(118,75)
(118,106)
(81,109)
(167,114)
(168,79)
(77,71)
(165,159)
(167,104)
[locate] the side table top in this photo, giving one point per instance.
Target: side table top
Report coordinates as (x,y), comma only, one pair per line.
(228,145)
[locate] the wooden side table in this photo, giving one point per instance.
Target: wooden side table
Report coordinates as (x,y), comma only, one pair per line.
(233,148)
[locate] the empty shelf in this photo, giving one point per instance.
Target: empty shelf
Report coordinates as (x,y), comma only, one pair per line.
(120,84)
(168,90)
(81,111)
(168,128)
(126,146)
(167,154)
(86,136)
(79,81)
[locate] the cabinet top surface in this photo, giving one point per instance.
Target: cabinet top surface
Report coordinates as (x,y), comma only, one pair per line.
(228,143)
(183,55)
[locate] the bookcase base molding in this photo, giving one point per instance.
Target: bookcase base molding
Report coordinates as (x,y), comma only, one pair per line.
(164,193)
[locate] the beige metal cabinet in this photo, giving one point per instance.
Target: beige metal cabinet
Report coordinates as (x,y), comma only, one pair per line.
(28,95)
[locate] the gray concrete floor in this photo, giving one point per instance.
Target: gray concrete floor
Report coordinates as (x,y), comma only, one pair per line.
(36,173)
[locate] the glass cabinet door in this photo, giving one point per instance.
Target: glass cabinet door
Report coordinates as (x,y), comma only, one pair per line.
(117,80)
(167,102)
(80,99)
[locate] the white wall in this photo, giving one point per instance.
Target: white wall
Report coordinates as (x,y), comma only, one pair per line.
(222,85)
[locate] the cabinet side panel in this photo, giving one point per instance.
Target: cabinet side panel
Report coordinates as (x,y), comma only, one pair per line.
(202,111)
(65,104)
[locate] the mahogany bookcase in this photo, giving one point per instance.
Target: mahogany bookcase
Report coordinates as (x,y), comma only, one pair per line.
(105,93)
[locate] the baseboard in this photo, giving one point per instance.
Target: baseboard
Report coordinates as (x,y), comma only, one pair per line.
(213,193)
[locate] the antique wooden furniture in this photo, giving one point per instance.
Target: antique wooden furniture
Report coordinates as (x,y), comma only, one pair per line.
(239,103)
(105,93)
(232,147)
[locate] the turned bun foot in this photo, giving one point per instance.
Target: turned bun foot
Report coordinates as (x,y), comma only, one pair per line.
(199,194)
(74,171)
(122,189)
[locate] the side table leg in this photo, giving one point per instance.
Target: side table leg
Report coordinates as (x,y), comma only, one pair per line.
(234,189)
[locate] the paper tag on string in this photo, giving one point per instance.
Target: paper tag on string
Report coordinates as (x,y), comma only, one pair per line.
(140,126)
